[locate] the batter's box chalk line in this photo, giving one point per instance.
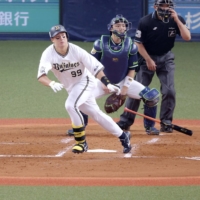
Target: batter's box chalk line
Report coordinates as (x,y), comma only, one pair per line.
(101,151)
(191,158)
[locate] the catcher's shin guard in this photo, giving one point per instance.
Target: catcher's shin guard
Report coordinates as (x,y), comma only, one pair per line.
(149,124)
(79,135)
(151,112)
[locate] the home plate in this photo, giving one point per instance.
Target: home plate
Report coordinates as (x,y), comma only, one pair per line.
(101,151)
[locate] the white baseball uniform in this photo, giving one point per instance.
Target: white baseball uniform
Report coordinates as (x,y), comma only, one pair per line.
(133,91)
(76,71)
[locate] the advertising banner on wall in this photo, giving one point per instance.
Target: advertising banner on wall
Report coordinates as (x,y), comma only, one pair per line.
(189,10)
(24,16)
(87,20)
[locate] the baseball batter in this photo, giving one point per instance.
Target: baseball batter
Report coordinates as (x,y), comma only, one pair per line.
(118,54)
(76,70)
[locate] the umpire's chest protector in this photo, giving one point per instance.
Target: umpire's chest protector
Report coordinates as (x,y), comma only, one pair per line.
(115,58)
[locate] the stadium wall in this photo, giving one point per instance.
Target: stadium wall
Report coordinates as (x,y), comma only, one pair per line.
(87,20)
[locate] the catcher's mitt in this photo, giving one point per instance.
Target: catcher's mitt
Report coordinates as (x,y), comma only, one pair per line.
(114,102)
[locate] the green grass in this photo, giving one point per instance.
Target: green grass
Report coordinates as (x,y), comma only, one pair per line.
(99,193)
(22,96)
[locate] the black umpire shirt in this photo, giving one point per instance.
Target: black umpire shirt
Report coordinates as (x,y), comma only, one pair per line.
(157,37)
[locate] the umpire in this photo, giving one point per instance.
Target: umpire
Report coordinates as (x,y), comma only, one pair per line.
(155,38)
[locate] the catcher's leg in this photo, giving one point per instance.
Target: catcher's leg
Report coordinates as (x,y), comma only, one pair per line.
(126,118)
(133,103)
(149,124)
(150,98)
(145,76)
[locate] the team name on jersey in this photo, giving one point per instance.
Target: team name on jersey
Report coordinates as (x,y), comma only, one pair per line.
(65,66)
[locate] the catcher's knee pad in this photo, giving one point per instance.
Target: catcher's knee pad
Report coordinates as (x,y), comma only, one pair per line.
(150,97)
(79,134)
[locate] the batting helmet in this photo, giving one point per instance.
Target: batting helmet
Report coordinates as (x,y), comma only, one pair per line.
(57,29)
(119,19)
(164,13)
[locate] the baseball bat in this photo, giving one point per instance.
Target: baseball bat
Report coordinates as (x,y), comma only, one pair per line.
(175,127)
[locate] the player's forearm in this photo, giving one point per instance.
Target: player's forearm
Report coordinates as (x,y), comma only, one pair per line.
(185,33)
(44,80)
(112,88)
(100,75)
(143,51)
(131,73)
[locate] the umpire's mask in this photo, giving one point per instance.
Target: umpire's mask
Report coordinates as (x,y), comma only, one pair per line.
(164,13)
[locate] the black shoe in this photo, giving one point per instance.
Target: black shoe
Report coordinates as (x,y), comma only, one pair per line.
(123,125)
(126,142)
(166,128)
(70,132)
(152,131)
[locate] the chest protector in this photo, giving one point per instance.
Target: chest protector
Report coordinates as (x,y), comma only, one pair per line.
(115,58)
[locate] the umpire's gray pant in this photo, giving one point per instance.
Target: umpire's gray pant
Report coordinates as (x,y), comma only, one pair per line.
(165,72)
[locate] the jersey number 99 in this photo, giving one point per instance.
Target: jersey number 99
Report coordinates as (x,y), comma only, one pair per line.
(76,73)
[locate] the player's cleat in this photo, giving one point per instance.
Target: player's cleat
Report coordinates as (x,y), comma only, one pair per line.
(70,132)
(80,148)
(166,128)
(152,131)
(123,125)
(126,142)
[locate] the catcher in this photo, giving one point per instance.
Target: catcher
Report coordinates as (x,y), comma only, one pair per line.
(118,54)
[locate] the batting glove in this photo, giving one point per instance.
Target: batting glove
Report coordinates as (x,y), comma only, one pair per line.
(114,88)
(56,86)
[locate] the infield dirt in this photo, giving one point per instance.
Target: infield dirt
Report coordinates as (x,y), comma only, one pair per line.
(40,148)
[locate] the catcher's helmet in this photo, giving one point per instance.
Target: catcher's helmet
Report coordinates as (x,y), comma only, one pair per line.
(164,13)
(57,29)
(119,19)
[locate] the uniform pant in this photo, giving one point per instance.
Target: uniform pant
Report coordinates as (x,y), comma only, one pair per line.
(81,98)
(165,72)
(133,91)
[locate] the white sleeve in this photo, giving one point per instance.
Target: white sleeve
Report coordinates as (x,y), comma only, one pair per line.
(45,64)
(90,62)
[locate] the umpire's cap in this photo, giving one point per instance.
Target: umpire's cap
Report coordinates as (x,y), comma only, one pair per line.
(57,29)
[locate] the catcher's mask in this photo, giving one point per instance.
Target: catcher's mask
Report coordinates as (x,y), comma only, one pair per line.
(119,19)
(164,14)
(57,29)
